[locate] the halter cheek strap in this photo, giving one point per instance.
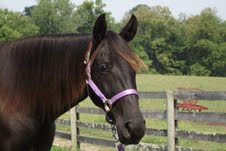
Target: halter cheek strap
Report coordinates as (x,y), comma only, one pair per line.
(107,102)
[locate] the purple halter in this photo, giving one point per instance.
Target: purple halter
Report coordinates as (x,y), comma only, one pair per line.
(107,102)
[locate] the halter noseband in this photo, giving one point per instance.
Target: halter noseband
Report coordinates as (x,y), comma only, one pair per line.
(107,102)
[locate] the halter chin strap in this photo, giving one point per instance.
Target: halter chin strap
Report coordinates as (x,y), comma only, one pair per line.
(107,102)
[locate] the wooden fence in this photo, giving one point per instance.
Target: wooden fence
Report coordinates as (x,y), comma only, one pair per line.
(171,114)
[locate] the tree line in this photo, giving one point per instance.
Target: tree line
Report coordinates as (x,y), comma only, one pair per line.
(188,45)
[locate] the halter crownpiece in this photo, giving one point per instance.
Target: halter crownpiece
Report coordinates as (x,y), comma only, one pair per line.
(107,102)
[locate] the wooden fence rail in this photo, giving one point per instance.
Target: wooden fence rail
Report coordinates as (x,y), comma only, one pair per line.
(171,114)
(161,114)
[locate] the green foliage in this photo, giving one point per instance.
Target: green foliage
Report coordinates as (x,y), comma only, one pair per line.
(60,16)
(160,36)
(188,46)
(28,10)
(14,25)
(197,69)
(205,40)
(53,16)
(85,15)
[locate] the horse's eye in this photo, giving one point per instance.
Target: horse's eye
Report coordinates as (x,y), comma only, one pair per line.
(104,67)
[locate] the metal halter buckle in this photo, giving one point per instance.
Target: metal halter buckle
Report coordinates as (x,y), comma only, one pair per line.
(107,106)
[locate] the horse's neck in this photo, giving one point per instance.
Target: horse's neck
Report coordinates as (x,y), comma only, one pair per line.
(73,103)
(57,75)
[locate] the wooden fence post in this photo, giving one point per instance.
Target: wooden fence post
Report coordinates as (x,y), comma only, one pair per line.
(176,122)
(73,129)
(170,121)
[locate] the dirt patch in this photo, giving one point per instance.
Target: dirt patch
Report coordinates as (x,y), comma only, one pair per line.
(217,124)
(83,147)
(62,142)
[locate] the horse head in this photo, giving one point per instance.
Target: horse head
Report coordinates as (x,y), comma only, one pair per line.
(113,68)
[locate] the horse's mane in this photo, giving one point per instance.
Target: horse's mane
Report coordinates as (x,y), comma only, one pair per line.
(42,68)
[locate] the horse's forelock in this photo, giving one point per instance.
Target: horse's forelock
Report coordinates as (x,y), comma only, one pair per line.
(120,46)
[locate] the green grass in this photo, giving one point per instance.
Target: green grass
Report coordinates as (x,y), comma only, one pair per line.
(147,82)
(55,148)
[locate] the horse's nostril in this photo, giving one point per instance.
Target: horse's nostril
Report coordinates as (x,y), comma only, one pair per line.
(109,119)
(129,128)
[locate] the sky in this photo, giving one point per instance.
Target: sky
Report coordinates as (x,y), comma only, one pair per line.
(119,7)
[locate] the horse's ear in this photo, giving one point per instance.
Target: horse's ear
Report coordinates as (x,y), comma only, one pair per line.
(130,30)
(99,29)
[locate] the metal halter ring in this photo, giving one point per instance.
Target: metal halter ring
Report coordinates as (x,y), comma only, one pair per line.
(107,106)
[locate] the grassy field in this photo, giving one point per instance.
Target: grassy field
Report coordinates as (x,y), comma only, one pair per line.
(55,148)
(147,82)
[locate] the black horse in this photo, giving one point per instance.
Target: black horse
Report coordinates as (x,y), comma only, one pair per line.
(42,77)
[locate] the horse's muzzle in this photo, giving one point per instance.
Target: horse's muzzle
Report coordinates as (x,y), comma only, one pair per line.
(132,131)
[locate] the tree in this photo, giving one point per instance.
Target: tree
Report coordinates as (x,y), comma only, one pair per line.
(28,10)
(85,15)
(205,34)
(160,35)
(53,16)
(14,25)
(192,45)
